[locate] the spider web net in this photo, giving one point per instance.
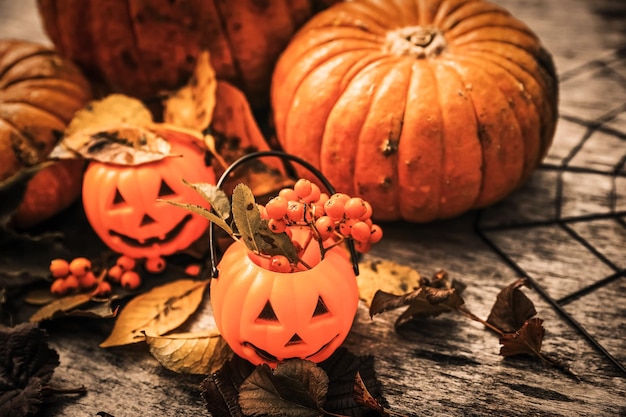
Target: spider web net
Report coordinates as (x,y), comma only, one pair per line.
(568,223)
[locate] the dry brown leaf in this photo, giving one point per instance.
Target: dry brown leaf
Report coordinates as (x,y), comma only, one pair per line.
(387,276)
(156,312)
(116,130)
(526,341)
(190,353)
(59,307)
(192,106)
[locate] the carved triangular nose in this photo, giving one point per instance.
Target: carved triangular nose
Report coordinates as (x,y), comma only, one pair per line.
(295,340)
(146,220)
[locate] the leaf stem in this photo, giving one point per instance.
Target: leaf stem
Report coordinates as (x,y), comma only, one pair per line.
(464,311)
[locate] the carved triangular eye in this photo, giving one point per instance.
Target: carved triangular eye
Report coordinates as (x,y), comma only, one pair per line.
(267,314)
(165,190)
(295,340)
(118,199)
(320,308)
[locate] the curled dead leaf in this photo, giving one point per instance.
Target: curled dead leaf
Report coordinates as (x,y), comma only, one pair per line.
(190,353)
(526,341)
(387,276)
(512,308)
(156,312)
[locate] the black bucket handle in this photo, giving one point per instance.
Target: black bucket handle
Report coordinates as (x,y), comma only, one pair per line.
(283,155)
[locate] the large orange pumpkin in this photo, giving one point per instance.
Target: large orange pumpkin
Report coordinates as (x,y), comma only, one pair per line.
(426,108)
(121,204)
(268,317)
(39,94)
(141,48)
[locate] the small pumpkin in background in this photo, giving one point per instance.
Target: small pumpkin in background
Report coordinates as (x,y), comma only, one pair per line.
(121,201)
(39,94)
(142,48)
(427,109)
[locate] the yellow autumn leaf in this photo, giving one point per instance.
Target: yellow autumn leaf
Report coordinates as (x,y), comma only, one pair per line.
(190,353)
(59,307)
(388,276)
(156,312)
(112,110)
(192,106)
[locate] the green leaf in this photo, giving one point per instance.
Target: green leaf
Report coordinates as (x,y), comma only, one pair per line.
(296,388)
(204,212)
(214,196)
(247,217)
(271,243)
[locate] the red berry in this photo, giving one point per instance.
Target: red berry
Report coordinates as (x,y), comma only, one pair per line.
(130,280)
(263,212)
(280,263)
(325,227)
(276,208)
(376,233)
(193,270)
(303,187)
(360,231)
(88,280)
(355,208)
(314,195)
(277,225)
(115,273)
(58,287)
(334,208)
(368,212)
(80,266)
(155,265)
(288,194)
(59,268)
(295,211)
(345,227)
(71,283)
(126,263)
(103,289)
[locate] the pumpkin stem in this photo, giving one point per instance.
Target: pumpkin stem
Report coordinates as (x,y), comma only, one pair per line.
(416,41)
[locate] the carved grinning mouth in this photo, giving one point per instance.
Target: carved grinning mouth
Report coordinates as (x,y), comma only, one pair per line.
(268,357)
(175,231)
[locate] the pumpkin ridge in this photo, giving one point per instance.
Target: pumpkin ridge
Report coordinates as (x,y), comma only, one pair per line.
(23,147)
(20,61)
(468,11)
(58,85)
(498,142)
(456,192)
(330,105)
(446,8)
(550,106)
(54,111)
(482,19)
(419,125)
(528,125)
(471,37)
(326,156)
(350,165)
(363,150)
(39,145)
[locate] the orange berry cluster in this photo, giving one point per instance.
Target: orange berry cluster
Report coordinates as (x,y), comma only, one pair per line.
(336,217)
(74,276)
(123,273)
(77,275)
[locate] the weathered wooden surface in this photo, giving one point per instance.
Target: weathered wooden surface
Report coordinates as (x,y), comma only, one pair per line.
(566,229)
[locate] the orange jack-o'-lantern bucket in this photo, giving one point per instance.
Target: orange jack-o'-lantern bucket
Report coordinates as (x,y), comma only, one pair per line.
(267,316)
